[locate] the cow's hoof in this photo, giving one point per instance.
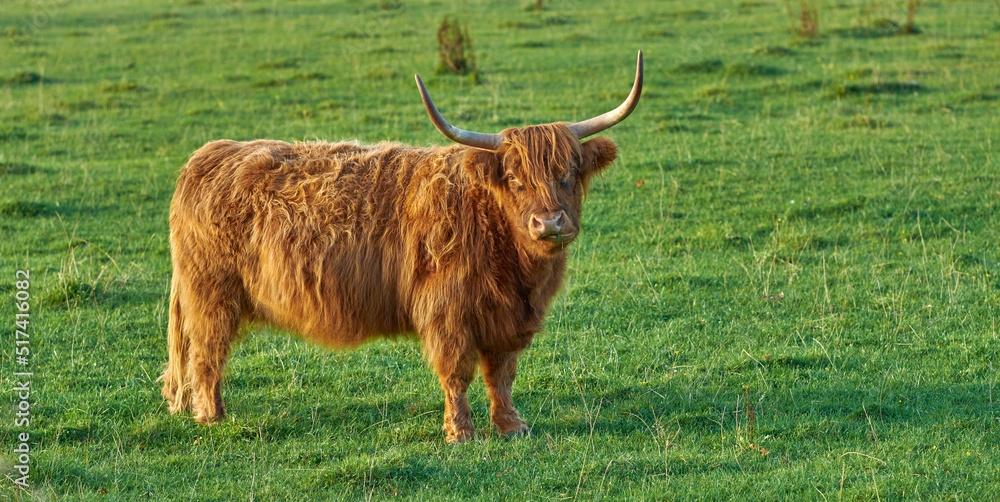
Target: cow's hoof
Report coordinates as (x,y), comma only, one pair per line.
(515,430)
(459,437)
(209,418)
(206,420)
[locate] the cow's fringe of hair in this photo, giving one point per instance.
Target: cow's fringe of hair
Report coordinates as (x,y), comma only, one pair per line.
(542,150)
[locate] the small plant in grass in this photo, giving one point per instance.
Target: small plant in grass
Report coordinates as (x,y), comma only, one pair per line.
(16,36)
(911,14)
(389,4)
(455,50)
(807,19)
(746,432)
(24,77)
(69,293)
(810,21)
(884,19)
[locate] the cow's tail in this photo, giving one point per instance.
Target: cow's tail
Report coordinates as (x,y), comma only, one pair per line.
(176,384)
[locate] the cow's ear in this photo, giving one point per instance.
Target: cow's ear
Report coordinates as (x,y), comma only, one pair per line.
(485,166)
(598,153)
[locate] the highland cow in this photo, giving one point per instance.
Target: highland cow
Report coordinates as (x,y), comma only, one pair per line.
(462,245)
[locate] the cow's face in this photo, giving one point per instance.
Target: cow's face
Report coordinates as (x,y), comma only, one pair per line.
(539,174)
(539,177)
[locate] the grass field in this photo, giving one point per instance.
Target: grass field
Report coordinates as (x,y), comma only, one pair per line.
(786,288)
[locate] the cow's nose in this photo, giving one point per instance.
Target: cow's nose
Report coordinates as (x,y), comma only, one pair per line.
(545,224)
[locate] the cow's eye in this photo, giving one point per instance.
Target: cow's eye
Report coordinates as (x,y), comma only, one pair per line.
(513,183)
(568,181)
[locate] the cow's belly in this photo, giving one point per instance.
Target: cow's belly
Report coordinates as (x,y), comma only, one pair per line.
(330,298)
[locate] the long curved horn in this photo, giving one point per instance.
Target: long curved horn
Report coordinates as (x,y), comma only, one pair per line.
(599,123)
(469,138)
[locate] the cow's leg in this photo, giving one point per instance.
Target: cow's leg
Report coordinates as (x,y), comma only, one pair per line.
(499,370)
(211,331)
(455,366)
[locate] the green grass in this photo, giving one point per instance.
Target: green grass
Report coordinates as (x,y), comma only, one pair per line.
(815,232)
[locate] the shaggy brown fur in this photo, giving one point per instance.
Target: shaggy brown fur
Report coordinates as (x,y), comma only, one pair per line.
(344,242)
